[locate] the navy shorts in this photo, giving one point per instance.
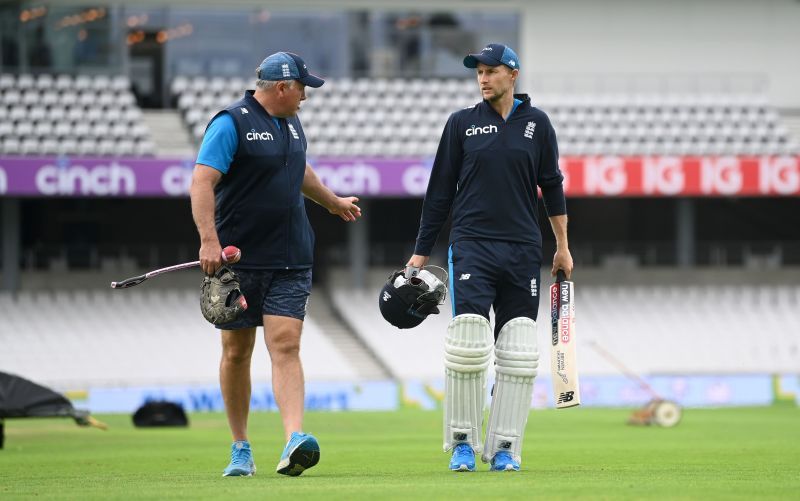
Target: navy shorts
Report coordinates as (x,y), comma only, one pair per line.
(495,274)
(271,292)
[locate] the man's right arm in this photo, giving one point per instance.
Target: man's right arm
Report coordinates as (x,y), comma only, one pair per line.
(551,182)
(441,191)
(201,193)
(213,160)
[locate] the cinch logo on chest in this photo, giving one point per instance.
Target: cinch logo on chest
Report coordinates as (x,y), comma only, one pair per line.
(258,136)
(488,129)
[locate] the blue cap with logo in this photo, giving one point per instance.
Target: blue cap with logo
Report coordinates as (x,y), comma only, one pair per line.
(493,54)
(287,66)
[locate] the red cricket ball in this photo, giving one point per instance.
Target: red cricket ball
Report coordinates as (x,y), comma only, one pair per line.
(231,254)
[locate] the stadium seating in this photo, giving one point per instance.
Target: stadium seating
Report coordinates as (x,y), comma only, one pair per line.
(383,117)
(676,330)
(135,338)
(60,114)
(132,338)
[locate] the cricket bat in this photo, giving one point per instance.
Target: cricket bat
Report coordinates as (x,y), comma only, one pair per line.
(562,353)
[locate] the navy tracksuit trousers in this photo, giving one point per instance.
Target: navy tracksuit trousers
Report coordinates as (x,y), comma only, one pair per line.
(495,274)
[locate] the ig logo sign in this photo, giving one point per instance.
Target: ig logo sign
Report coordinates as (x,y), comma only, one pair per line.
(778,175)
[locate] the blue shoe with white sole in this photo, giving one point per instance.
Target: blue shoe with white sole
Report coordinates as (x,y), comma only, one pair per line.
(463,458)
(241,464)
(300,454)
(502,461)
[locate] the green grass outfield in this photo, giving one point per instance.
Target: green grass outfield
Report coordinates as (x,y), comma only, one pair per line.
(751,453)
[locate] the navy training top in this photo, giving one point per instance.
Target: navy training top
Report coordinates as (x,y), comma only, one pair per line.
(487,169)
(259,203)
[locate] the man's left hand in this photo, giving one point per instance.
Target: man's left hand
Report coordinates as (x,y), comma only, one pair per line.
(346,208)
(562,260)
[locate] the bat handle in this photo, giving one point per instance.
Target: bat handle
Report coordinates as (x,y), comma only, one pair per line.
(560,276)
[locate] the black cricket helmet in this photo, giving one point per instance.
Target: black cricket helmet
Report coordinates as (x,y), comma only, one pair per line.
(406,302)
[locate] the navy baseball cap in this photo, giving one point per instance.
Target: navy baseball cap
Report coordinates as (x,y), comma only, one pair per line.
(493,54)
(287,66)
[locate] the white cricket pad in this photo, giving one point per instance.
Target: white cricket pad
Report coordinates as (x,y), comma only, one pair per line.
(468,347)
(516,359)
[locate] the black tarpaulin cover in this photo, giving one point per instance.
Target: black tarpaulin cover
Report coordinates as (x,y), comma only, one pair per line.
(20,398)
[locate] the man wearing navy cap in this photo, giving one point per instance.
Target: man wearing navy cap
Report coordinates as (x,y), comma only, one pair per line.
(490,161)
(247,190)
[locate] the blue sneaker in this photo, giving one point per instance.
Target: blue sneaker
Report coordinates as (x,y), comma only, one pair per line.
(300,454)
(502,461)
(463,458)
(242,464)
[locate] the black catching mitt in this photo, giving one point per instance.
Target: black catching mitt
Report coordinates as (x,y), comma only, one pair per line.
(221,300)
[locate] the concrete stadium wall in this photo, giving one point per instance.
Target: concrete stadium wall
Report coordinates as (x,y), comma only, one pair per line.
(681,38)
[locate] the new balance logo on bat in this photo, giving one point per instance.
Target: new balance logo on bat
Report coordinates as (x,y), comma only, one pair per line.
(565,397)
